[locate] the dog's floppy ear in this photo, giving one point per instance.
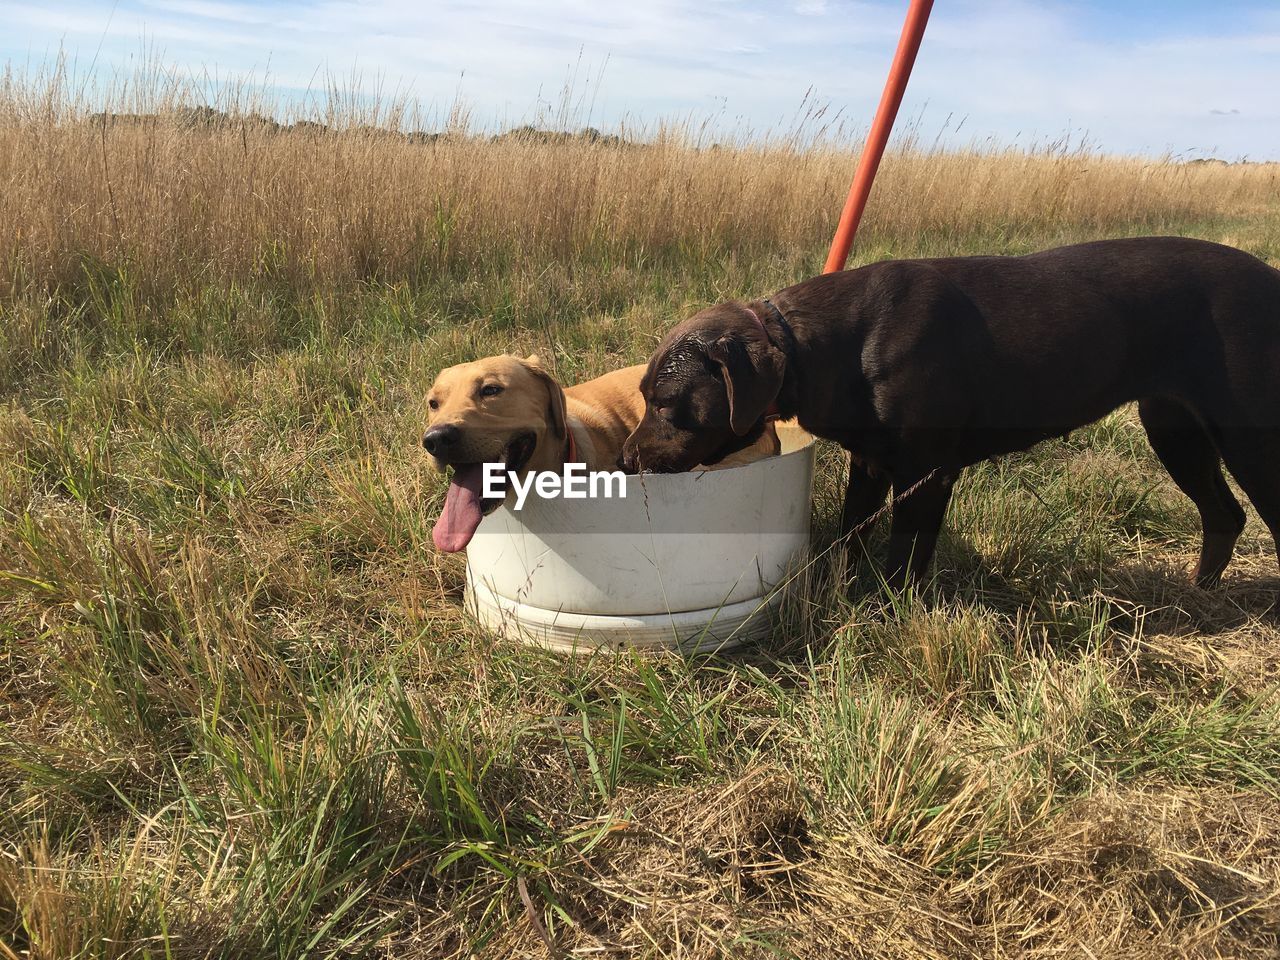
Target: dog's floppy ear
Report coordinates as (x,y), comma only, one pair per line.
(556,409)
(752,376)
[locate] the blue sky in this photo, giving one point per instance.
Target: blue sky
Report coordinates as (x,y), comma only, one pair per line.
(1191,78)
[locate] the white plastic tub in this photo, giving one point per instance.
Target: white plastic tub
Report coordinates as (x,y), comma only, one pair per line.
(690,560)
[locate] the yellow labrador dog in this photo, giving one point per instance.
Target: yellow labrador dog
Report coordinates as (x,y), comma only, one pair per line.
(507,410)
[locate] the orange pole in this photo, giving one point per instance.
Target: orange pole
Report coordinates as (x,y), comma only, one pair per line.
(873,149)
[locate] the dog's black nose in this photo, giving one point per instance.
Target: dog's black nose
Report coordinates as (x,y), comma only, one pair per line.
(439,439)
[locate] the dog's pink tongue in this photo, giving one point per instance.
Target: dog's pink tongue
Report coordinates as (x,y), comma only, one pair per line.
(461,514)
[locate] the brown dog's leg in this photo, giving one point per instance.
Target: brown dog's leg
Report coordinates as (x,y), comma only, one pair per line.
(863,496)
(1253,457)
(917,519)
(1188,453)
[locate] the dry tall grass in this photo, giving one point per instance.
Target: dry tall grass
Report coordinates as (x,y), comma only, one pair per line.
(194,194)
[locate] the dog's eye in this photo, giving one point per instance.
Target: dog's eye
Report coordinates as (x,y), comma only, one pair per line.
(491,390)
(433,403)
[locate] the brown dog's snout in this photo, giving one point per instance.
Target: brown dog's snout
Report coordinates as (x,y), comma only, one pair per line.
(439,440)
(645,454)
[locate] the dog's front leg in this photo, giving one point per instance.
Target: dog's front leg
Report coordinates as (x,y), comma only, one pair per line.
(863,496)
(917,519)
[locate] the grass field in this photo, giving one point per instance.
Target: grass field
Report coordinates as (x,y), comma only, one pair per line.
(242,713)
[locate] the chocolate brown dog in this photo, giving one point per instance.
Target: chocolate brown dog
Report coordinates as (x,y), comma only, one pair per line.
(921,367)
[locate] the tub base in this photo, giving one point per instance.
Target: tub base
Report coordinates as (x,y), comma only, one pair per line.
(691,631)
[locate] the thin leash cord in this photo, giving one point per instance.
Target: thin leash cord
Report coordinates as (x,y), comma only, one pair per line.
(892,503)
